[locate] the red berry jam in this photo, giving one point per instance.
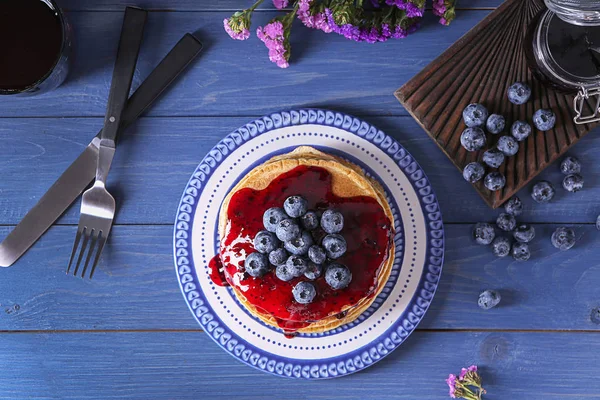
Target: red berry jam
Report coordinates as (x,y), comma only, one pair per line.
(367,231)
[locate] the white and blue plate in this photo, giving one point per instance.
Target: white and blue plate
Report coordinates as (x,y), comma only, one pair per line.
(397,310)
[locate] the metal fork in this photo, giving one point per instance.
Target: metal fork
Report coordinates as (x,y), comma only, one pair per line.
(97,205)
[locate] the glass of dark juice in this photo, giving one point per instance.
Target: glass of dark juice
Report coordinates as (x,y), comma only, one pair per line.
(35,45)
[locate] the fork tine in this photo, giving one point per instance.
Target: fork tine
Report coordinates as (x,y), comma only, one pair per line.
(90,252)
(75,246)
(86,238)
(102,238)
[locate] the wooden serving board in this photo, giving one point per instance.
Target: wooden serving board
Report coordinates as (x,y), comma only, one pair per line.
(479,68)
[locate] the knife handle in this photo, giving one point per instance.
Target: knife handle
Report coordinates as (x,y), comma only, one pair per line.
(130,42)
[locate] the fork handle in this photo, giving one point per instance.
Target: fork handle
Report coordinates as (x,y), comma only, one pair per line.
(127,54)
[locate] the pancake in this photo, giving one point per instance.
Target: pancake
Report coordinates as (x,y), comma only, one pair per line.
(347,181)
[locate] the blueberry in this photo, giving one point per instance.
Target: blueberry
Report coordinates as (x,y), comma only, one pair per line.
(332,221)
(473,172)
(472,139)
(265,242)
(338,276)
(278,257)
(506,222)
(317,254)
(272,217)
(494,181)
(313,271)
(573,183)
(520,130)
(299,246)
(542,192)
(563,238)
(519,93)
(475,115)
(304,292)
(335,246)
(520,251)
(570,165)
(514,206)
(489,299)
(495,124)
(295,206)
(483,233)
(310,221)
(297,265)
(501,247)
(256,265)
(544,119)
(284,272)
(598,223)
(524,233)
(508,145)
(493,158)
(287,230)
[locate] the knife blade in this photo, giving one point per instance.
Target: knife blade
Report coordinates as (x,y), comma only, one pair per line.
(82,171)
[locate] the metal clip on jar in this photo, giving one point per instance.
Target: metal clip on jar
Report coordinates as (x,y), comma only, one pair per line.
(563,51)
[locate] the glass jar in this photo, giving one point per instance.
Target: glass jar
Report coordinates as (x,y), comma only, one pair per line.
(563,51)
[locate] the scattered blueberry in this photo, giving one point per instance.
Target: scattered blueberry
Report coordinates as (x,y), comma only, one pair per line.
(524,233)
(338,276)
(295,206)
(495,124)
(542,192)
(520,130)
(570,165)
(493,158)
(475,115)
(544,119)
(278,257)
(335,246)
(514,206)
(256,265)
(501,247)
(297,265)
(472,139)
(304,292)
(520,251)
(317,254)
(313,271)
(272,217)
(287,230)
(573,183)
(494,181)
(506,222)
(519,93)
(299,246)
(508,145)
(563,238)
(265,242)
(284,272)
(310,221)
(598,223)
(332,221)
(489,299)
(473,172)
(483,233)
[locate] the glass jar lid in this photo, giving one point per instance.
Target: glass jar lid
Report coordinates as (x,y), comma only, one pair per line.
(577,12)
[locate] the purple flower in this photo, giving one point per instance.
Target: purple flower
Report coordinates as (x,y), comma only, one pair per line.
(445,10)
(464,371)
(235,29)
(317,20)
(349,31)
(274,37)
(280,4)
(412,10)
(451,381)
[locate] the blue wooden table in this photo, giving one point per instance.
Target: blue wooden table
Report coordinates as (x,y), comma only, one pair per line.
(128,332)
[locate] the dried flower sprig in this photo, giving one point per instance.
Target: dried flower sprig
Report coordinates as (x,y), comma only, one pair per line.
(467,385)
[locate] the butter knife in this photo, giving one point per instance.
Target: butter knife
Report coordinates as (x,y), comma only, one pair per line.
(82,171)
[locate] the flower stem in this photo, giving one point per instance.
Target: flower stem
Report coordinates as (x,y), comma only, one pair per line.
(258,3)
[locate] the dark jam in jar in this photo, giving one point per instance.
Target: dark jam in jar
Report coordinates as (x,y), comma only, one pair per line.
(367,230)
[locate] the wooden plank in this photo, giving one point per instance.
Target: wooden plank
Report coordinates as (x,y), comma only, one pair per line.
(158,156)
(135,286)
(235,78)
(188,365)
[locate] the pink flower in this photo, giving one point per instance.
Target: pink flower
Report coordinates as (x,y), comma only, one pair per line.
(280,4)
(316,21)
(273,36)
(464,371)
(237,32)
(451,381)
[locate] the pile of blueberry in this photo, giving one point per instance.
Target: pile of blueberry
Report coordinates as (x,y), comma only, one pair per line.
(289,245)
(476,117)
